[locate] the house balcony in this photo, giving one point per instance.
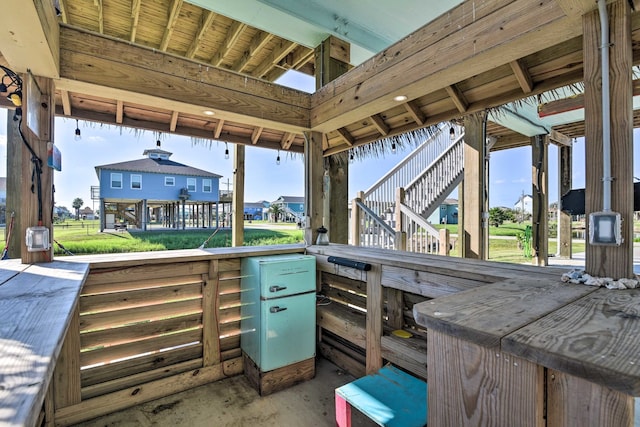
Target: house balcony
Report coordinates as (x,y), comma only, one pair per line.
(89,336)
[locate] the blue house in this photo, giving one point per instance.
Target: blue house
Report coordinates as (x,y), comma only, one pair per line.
(256,211)
(447,213)
(156,189)
(291,208)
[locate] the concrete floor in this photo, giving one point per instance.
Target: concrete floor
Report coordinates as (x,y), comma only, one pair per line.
(234,403)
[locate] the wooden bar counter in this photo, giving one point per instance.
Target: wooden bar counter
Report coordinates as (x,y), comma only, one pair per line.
(533,352)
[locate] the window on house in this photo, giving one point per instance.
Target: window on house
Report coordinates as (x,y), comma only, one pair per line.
(116,180)
(191,184)
(169,181)
(136,182)
(206,186)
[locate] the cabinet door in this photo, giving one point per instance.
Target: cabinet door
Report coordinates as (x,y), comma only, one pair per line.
(288,331)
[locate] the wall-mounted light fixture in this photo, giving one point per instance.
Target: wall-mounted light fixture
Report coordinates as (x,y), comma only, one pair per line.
(78,136)
(226,151)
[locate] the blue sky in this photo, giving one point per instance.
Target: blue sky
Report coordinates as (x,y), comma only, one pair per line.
(510,170)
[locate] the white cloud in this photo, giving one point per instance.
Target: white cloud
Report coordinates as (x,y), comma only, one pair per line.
(520,181)
(95,138)
(499,181)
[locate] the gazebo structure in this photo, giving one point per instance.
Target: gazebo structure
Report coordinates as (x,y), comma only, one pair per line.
(205,69)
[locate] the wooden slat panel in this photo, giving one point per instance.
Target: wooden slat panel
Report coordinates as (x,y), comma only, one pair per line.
(145,272)
(343,322)
(339,296)
(99,288)
(140,298)
(138,348)
(410,354)
(139,331)
(125,368)
(155,312)
(430,285)
(229,286)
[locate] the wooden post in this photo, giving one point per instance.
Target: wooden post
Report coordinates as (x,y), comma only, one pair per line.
(237,232)
(313,175)
(401,236)
(14,190)
(444,242)
(38,129)
(210,316)
(475,234)
(66,375)
(610,261)
(565,164)
(540,217)
(374,319)
(355,219)
(332,58)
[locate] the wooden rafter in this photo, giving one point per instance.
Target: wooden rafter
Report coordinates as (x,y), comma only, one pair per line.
(275,57)
(458,98)
(174,121)
(64,14)
(415,112)
(325,142)
(297,58)
(559,138)
(346,136)
(66,102)
(119,111)
(206,20)
(218,130)
(232,36)
(379,124)
(287,140)
(522,75)
(98,4)
(255,135)
(135,15)
(174,13)
(258,42)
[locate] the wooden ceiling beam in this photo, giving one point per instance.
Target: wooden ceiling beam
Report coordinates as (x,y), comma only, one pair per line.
(232,36)
(174,121)
(255,135)
(379,124)
(218,130)
(457,97)
(108,68)
(174,14)
(206,20)
(66,102)
(278,53)
(522,75)
(135,15)
(415,112)
(119,111)
(346,136)
(257,43)
(287,140)
(559,138)
(98,4)
(369,88)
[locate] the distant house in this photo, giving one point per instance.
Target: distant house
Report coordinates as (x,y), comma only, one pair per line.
(136,191)
(447,213)
(524,204)
(256,211)
(86,213)
(292,208)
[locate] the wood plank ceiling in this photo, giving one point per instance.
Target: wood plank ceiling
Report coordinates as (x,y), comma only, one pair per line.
(520,49)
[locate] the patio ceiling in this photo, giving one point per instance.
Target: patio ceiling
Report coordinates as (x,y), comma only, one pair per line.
(160,64)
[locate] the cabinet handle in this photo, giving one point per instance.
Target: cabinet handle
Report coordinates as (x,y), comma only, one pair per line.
(277,309)
(276,288)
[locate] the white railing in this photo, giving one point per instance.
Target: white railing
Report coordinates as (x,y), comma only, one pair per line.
(420,235)
(381,195)
(430,187)
(372,230)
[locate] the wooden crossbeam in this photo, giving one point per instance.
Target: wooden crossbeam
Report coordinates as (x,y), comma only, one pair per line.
(287,140)
(572,103)
(325,142)
(379,123)
(174,13)
(522,75)
(218,130)
(119,111)
(415,112)
(255,135)
(559,138)
(346,136)
(257,42)
(135,15)
(457,97)
(98,4)
(206,20)
(232,36)
(66,102)
(275,57)
(298,58)
(174,121)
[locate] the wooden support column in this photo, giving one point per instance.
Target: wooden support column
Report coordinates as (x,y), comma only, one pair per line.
(332,61)
(237,232)
(210,315)
(14,190)
(356,219)
(540,205)
(313,176)
(475,233)
(374,319)
(38,129)
(610,261)
(565,164)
